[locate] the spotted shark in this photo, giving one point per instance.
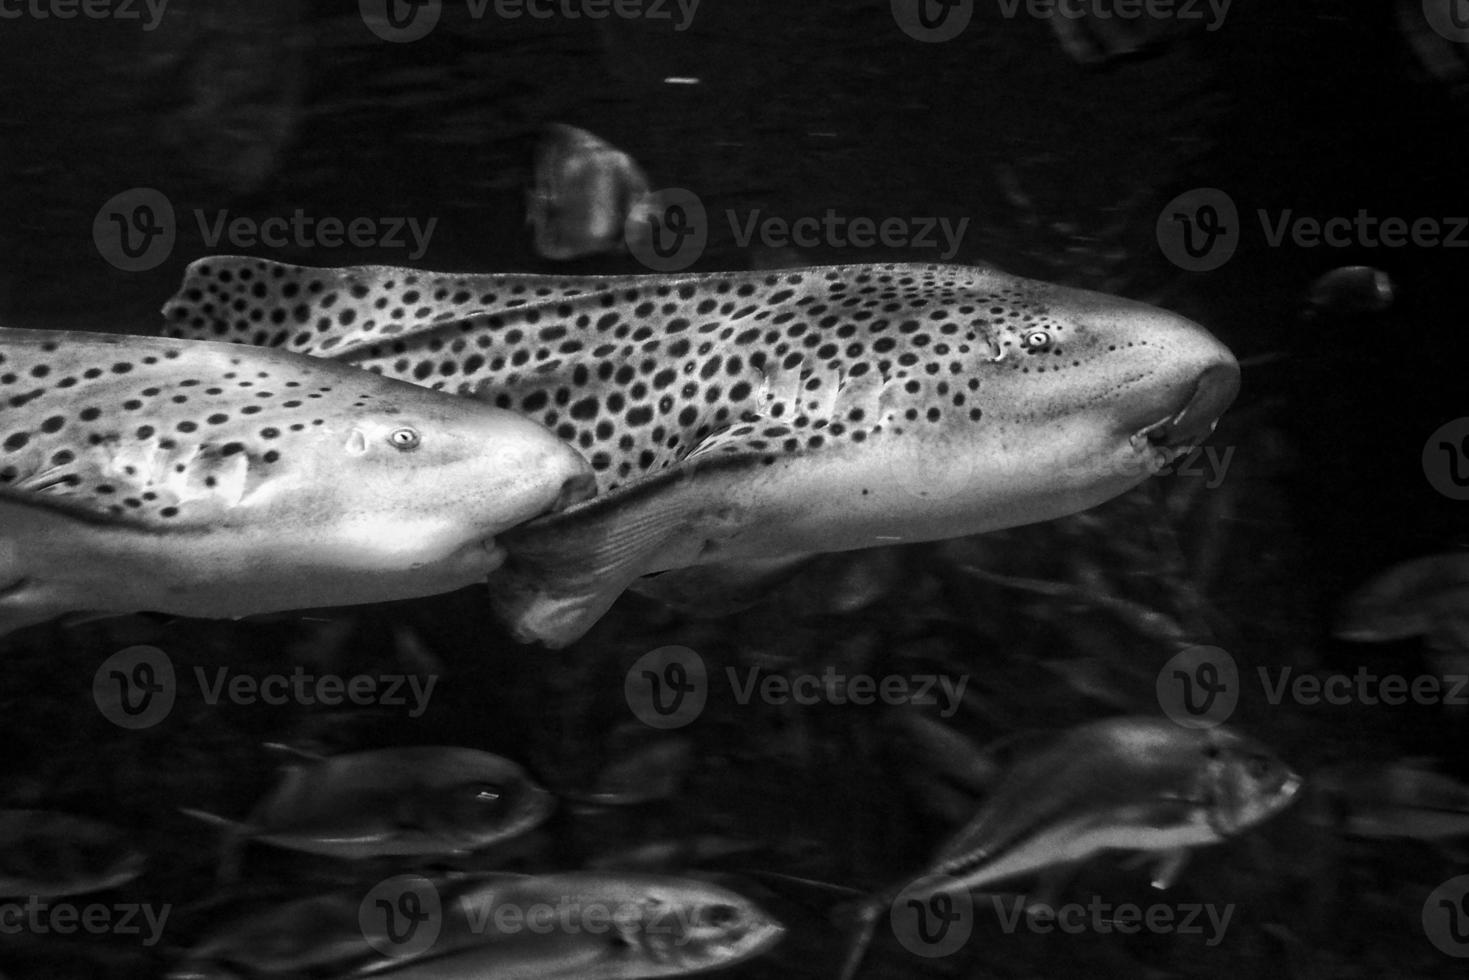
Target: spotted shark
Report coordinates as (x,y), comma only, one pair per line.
(205,479)
(745,418)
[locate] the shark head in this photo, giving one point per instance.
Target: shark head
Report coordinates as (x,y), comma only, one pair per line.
(1086,395)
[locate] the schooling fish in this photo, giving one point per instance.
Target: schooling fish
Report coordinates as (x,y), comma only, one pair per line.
(1351,290)
(568,926)
(584,194)
(1129,783)
(1427,596)
(743,417)
(49,854)
(203,479)
(1403,799)
(417,800)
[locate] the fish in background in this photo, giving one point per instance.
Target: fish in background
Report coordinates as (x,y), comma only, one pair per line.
(237,118)
(1429,27)
(586,195)
(1130,783)
(647,926)
(47,854)
(421,801)
(748,417)
(140,474)
(1406,799)
(1107,37)
(1352,290)
(1427,597)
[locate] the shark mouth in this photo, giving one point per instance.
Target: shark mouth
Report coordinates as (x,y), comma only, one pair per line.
(1181,432)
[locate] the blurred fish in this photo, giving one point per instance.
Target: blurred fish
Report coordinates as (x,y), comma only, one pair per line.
(1403,799)
(1351,290)
(1129,783)
(610,926)
(653,772)
(585,194)
(666,855)
(1430,26)
(49,854)
(1106,37)
(1426,597)
(418,800)
(204,479)
(876,405)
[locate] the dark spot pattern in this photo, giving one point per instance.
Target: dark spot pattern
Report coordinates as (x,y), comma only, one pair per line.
(638,372)
(169,432)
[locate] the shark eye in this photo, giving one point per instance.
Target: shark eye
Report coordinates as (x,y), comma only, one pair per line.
(1035,340)
(404,438)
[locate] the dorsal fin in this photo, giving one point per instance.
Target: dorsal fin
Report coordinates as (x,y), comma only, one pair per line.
(335,312)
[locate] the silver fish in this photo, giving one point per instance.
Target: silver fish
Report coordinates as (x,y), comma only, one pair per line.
(204,479)
(1403,799)
(584,195)
(1128,783)
(1351,290)
(1427,596)
(599,926)
(744,417)
(416,800)
(49,854)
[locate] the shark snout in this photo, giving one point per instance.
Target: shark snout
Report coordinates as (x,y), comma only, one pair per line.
(1196,381)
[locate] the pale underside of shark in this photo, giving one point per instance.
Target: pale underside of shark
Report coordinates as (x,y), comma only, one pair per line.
(203,479)
(746,419)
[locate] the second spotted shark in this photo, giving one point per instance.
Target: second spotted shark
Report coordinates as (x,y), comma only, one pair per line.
(739,419)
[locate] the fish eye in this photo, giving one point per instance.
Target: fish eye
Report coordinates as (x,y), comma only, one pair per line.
(722,915)
(405,438)
(1035,339)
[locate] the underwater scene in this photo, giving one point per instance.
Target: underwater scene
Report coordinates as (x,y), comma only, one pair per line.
(602,489)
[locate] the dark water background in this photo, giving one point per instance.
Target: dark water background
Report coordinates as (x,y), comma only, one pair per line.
(266,107)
